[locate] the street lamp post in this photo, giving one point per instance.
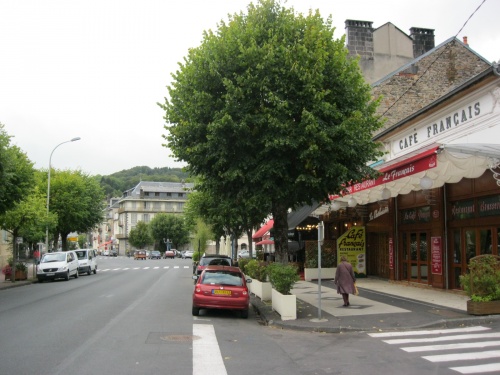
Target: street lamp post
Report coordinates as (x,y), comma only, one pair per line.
(48,191)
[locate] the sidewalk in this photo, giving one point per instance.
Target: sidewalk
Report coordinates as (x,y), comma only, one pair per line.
(380,306)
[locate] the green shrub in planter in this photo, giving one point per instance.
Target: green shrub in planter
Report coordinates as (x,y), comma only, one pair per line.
(256,270)
(242,263)
(282,277)
(482,282)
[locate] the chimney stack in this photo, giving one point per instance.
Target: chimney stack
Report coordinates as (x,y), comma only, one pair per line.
(423,40)
(360,38)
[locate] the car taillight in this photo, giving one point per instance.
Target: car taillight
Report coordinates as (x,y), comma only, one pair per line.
(197,290)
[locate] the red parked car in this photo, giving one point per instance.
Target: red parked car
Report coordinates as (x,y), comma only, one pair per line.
(221,287)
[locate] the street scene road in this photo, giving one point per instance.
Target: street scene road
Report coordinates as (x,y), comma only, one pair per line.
(134,317)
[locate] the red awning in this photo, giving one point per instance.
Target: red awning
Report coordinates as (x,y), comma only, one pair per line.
(397,169)
(265,242)
(105,243)
(263,230)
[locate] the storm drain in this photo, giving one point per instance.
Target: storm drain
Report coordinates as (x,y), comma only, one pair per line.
(164,337)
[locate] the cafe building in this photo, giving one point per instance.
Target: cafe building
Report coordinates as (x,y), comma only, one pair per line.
(436,202)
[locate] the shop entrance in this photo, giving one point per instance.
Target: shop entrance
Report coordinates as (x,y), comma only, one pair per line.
(378,255)
(467,243)
(415,256)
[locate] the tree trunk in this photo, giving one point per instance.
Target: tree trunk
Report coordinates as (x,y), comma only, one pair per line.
(280,211)
(250,243)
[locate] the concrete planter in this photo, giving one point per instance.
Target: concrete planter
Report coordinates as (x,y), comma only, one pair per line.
(483,308)
(19,275)
(261,289)
(312,273)
(285,305)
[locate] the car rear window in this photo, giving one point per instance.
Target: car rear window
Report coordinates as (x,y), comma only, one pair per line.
(222,278)
(215,262)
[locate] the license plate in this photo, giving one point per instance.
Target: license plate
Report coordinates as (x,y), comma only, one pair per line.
(221,292)
(50,274)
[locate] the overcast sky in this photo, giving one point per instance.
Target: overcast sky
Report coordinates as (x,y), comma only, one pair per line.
(95,69)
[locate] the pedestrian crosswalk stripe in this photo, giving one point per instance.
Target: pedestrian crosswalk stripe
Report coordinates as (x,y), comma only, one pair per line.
(428,332)
(465,345)
(478,369)
(444,338)
(462,356)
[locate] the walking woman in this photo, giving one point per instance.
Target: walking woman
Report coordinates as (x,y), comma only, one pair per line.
(344,278)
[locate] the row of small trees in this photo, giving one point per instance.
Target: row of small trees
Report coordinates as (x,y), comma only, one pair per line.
(76,199)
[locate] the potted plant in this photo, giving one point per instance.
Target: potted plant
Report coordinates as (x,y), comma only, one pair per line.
(328,261)
(482,285)
(21,271)
(282,278)
(257,270)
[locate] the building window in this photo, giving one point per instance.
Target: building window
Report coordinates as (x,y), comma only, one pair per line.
(157,206)
(133,218)
(181,195)
(157,194)
(146,218)
(146,194)
(133,205)
(169,194)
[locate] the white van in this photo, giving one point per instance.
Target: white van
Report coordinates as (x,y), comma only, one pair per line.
(87,261)
(59,265)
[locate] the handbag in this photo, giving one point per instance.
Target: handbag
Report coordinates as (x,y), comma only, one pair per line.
(356,292)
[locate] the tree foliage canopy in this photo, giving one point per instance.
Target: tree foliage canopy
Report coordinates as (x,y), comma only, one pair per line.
(270,108)
(167,226)
(16,173)
(78,201)
(140,236)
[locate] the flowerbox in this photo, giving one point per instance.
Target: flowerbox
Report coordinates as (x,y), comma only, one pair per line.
(261,289)
(312,273)
(285,305)
(20,275)
(483,308)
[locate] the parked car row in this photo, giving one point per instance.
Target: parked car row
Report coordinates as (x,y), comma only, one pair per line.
(66,264)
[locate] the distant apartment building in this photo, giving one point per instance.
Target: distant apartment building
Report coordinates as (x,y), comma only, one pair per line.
(141,203)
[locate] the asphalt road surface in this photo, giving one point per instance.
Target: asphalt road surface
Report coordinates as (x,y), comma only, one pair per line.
(134,317)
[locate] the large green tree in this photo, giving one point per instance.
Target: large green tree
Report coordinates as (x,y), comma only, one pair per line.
(271,108)
(169,226)
(78,201)
(16,173)
(140,236)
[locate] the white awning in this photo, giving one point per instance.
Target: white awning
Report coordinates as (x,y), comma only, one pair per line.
(454,162)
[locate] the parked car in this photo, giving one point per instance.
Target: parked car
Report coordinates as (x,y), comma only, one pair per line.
(113,253)
(246,254)
(87,260)
(155,255)
(140,254)
(58,265)
(105,253)
(213,260)
(187,254)
(170,254)
(220,287)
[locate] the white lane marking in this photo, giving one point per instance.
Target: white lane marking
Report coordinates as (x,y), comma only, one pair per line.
(187,267)
(462,356)
(145,268)
(116,269)
(444,338)
(155,268)
(166,267)
(469,345)
(126,268)
(207,358)
(137,268)
(428,332)
(107,269)
(176,266)
(479,369)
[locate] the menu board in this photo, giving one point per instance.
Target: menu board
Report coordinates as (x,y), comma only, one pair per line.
(352,244)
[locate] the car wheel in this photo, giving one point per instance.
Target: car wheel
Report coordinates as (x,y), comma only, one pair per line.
(196,311)
(244,314)
(95,270)
(89,271)
(66,277)
(76,274)
(40,280)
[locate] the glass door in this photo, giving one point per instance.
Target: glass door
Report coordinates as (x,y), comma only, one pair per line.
(415,246)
